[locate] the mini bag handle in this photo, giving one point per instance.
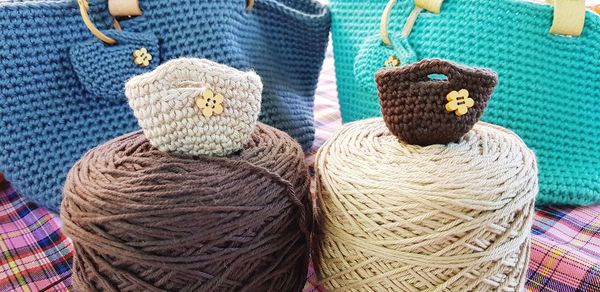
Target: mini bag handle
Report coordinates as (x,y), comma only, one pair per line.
(569,17)
(119,8)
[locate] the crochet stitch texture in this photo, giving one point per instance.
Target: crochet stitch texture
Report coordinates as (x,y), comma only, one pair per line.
(165,103)
(414,105)
(548,88)
(49,117)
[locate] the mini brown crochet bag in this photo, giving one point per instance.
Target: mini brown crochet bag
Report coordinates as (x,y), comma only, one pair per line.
(422,109)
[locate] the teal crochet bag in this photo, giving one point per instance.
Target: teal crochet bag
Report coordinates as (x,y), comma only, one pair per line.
(549,72)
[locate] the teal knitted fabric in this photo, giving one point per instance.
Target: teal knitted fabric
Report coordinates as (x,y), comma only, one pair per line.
(549,91)
(375,53)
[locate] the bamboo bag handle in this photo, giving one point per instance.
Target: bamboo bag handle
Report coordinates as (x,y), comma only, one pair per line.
(119,8)
(569,17)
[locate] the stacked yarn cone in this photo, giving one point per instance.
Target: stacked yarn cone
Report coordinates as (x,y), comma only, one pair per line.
(453,216)
(204,199)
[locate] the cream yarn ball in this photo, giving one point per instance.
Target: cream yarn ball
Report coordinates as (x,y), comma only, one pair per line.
(400,217)
(196,106)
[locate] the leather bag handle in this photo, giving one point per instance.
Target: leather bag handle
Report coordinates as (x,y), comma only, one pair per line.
(569,17)
(124,8)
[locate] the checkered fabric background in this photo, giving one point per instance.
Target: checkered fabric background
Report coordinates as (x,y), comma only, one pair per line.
(36,255)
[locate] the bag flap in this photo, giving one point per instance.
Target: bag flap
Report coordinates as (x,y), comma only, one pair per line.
(103,69)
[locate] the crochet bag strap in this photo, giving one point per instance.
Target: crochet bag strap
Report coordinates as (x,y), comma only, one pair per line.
(120,8)
(569,17)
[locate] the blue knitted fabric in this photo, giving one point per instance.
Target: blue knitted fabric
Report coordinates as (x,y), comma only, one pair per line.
(62,90)
(549,91)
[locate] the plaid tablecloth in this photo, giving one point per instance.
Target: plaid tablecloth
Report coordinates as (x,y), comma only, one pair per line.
(36,255)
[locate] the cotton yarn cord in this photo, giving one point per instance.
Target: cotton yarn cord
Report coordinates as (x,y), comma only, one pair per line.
(400,217)
(144,220)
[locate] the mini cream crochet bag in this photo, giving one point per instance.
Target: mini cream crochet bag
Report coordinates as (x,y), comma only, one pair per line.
(196,106)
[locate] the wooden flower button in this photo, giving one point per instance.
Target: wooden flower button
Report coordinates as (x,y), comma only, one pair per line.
(142,57)
(392,61)
(459,102)
(210,103)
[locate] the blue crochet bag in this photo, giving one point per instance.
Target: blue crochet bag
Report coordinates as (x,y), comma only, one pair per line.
(62,81)
(547,58)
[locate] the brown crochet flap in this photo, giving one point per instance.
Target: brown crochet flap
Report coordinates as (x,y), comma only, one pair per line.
(433,101)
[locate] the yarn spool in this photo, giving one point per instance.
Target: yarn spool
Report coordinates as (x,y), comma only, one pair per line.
(402,217)
(145,220)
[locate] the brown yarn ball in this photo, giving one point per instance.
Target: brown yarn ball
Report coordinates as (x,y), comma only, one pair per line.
(414,104)
(144,220)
